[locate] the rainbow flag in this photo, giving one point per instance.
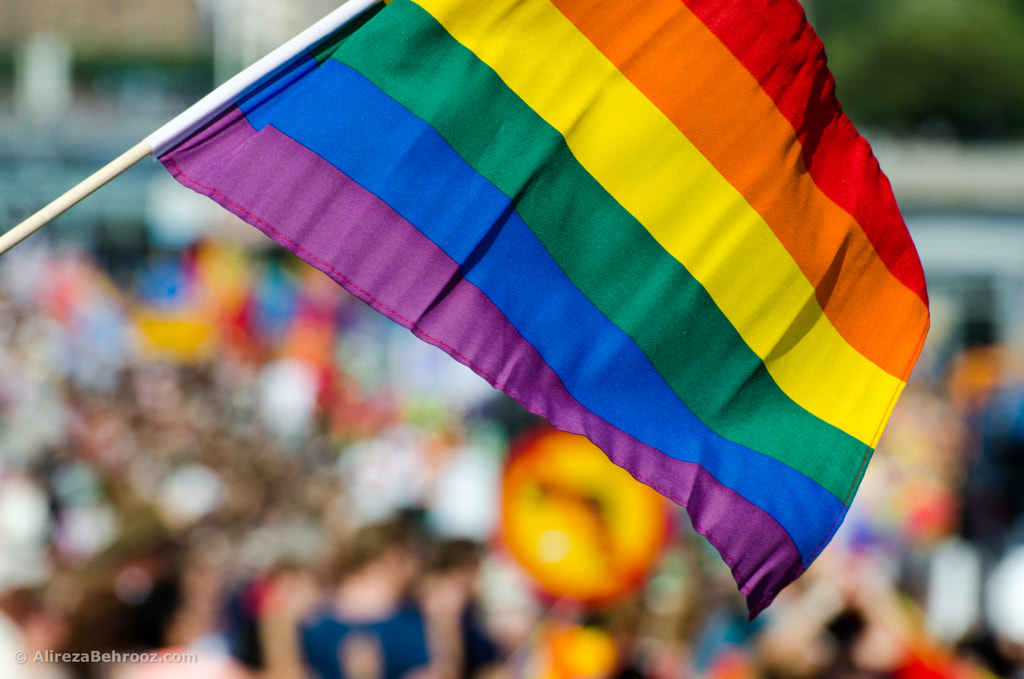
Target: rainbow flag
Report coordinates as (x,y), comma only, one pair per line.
(647,220)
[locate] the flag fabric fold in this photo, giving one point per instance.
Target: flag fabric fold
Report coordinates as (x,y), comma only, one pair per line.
(649,222)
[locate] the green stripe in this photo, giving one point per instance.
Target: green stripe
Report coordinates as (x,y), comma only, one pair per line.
(603,250)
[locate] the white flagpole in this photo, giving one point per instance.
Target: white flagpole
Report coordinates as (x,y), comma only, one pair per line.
(191,119)
(207,108)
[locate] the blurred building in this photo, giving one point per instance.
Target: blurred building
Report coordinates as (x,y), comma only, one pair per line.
(104,26)
(147,27)
(965,209)
(80,82)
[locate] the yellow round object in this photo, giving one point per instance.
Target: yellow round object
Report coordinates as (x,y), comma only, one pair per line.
(580,652)
(580,525)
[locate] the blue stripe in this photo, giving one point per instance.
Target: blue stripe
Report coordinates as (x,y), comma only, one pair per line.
(341,116)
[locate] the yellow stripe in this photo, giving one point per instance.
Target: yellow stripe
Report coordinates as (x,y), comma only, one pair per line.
(679,197)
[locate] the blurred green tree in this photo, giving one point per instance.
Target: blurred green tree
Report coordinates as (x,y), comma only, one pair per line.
(927,66)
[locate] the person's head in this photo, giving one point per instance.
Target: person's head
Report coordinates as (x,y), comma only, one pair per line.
(381,550)
(456,558)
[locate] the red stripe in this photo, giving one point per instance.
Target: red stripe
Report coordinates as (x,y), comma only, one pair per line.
(773,40)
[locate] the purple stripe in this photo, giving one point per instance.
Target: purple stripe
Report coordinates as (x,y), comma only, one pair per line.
(311,208)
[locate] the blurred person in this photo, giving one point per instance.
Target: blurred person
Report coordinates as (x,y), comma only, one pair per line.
(29,626)
(879,632)
(25,530)
(369,628)
(180,614)
(460,645)
(266,615)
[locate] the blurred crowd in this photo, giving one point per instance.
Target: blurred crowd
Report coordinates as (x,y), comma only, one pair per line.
(219,455)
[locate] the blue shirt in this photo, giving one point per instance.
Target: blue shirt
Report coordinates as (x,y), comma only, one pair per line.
(402,637)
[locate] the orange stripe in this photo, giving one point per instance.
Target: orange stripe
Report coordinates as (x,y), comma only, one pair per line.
(741,132)
(788,59)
